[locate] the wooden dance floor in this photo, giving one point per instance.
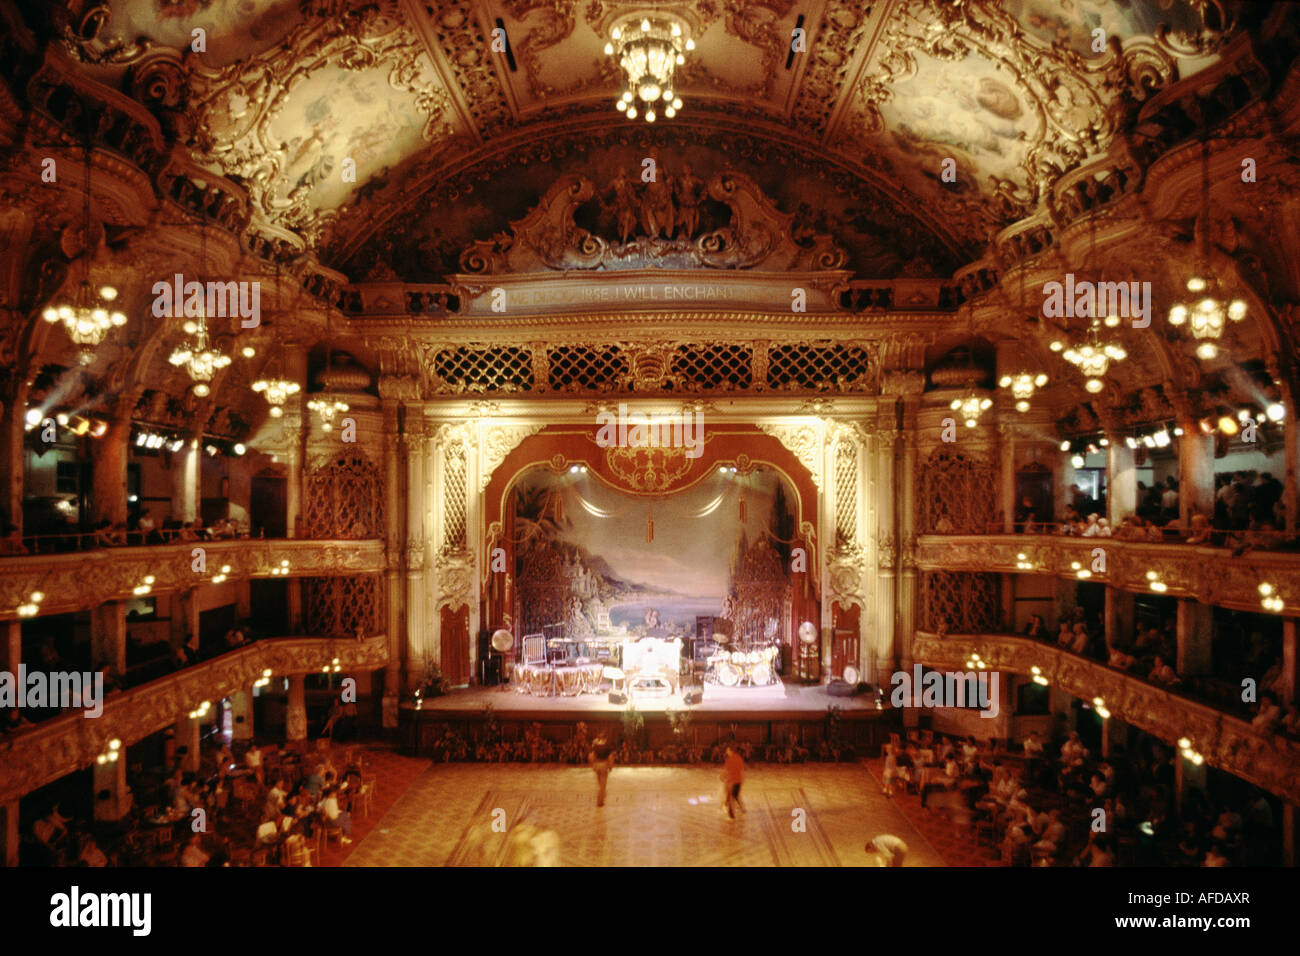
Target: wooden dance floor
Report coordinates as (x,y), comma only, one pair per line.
(805,815)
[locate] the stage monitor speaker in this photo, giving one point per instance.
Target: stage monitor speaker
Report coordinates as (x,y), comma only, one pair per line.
(839,688)
(616,698)
(693,697)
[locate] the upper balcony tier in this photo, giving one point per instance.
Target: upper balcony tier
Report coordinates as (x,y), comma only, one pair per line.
(1212,576)
(87,579)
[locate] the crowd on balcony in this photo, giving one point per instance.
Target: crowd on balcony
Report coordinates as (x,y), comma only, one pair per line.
(1248,515)
(1037,804)
(144,529)
(1150,653)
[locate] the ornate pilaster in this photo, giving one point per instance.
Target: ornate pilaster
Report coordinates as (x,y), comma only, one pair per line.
(393,583)
(907,583)
(884,490)
(420,637)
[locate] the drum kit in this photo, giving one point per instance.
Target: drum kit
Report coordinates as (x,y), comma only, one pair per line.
(754,667)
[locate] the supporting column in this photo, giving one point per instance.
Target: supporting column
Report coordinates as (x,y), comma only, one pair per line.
(295,720)
(1121,482)
(108,636)
(187,742)
(1287,690)
(906,492)
(13,411)
(241,712)
(9,834)
(392,579)
(185,481)
(416,440)
(13,646)
(293,423)
(108,484)
(1007,473)
(883,650)
(113,797)
(1195,473)
(293,597)
(1119,613)
(1187,777)
(1195,636)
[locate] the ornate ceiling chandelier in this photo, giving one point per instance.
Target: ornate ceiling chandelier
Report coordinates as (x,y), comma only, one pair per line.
(200,358)
(276,391)
(1023,385)
(1211,308)
(324,405)
(971,407)
(1094,356)
(648,52)
(87,318)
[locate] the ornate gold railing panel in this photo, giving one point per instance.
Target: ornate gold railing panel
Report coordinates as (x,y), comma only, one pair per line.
(1210,575)
(62,745)
(1226,742)
(86,579)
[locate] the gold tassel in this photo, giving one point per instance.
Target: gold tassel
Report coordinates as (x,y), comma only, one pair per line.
(742,507)
(650,526)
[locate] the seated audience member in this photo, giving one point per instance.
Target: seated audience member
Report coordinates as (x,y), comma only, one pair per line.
(90,854)
(1094,526)
(1073,751)
(1120,660)
(1052,836)
(1214,856)
(253,760)
(1103,528)
(1036,628)
(1162,673)
(1096,853)
(194,854)
(1079,643)
(52,829)
(1033,745)
(1066,636)
(1200,530)
(335,816)
(1269,716)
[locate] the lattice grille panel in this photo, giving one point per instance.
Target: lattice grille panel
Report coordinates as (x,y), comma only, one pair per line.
(344,606)
(844,367)
(497,369)
(454,485)
(846,493)
(713,366)
(575,367)
(958,494)
(961,602)
(345,499)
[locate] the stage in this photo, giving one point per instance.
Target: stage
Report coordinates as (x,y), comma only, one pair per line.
(761,716)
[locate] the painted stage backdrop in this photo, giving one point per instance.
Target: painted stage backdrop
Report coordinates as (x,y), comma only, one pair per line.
(607,564)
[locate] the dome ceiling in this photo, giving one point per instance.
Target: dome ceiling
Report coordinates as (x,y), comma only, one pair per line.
(348,121)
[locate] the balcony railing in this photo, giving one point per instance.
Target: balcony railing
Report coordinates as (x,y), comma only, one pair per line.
(72,582)
(34,756)
(1267,760)
(1209,575)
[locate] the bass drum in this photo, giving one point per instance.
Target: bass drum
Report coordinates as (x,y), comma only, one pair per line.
(728,675)
(760,674)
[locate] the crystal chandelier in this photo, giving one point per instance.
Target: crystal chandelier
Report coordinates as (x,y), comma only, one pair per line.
(87,318)
(276,391)
(201,359)
(1211,308)
(970,408)
(648,52)
(1023,385)
(328,408)
(1094,356)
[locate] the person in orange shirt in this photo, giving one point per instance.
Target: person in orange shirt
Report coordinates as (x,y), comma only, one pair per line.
(733,775)
(601,758)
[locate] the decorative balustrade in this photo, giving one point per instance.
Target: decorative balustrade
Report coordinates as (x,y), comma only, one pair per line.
(1229,743)
(54,748)
(1209,575)
(72,582)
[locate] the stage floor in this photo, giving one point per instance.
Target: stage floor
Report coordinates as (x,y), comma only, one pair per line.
(777,701)
(654,816)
